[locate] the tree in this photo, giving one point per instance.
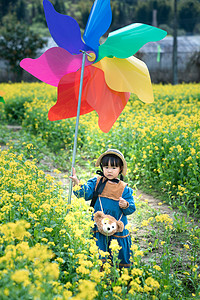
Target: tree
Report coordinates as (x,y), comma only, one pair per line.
(189,14)
(59,6)
(5,6)
(21,10)
(17,41)
(143,13)
(164,11)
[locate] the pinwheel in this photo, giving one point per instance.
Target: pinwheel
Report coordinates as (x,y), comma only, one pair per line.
(90,76)
(1,97)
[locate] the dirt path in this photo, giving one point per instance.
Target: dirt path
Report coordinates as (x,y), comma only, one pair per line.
(156,204)
(153,202)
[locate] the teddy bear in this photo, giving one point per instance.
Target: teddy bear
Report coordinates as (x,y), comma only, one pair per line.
(107,225)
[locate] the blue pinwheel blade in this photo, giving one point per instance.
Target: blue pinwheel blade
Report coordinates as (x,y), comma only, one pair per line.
(98,22)
(64,30)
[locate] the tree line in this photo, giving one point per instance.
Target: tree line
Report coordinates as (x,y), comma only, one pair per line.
(124,12)
(23,27)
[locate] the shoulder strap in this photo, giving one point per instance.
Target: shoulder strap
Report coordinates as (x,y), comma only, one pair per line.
(98,190)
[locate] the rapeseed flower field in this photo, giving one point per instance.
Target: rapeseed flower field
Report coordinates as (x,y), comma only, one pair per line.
(161,141)
(47,251)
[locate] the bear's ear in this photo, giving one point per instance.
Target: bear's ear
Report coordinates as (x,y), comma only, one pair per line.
(98,215)
(120,225)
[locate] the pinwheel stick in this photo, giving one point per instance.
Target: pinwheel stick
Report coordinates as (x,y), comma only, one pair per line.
(77,123)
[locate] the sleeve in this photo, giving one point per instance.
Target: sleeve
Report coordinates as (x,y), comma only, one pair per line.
(128,196)
(86,191)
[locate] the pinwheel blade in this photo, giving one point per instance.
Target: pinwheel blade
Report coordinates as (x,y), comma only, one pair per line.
(64,30)
(127,75)
(98,22)
(52,65)
(67,101)
(126,41)
(107,103)
(96,95)
(2,100)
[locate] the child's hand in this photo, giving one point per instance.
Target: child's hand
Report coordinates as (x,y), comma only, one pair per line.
(123,203)
(74,177)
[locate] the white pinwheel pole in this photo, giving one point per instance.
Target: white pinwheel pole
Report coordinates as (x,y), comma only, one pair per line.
(77,123)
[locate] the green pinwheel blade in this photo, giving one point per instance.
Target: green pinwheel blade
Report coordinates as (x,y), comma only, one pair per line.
(126,41)
(2,100)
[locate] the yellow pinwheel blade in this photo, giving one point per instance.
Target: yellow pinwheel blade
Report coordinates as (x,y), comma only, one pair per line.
(127,75)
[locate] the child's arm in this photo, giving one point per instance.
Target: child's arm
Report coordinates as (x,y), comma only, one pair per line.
(128,204)
(123,203)
(74,177)
(86,190)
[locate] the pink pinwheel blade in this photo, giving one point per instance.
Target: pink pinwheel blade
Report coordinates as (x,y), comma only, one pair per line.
(67,101)
(51,66)
(64,30)
(96,95)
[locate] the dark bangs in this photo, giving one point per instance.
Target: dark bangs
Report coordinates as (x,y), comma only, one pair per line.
(113,159)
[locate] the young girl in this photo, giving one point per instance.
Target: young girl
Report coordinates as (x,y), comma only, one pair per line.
(111,194)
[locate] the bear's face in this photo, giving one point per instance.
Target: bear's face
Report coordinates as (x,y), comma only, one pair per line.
(107,224)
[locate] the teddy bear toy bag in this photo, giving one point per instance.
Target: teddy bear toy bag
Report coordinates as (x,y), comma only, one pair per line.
(107,225)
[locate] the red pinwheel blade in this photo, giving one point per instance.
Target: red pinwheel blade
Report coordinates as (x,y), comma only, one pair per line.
(67,101)
(64,30)
(107,103)
(96,95)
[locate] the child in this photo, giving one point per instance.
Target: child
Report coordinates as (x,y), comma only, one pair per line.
(111,194)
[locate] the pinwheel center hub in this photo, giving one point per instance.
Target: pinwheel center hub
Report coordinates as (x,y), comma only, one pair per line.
(91,56)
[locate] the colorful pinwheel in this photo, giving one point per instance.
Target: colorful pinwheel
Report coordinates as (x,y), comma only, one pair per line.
(111,73)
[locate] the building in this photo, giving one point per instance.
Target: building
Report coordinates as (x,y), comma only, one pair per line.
(157,56)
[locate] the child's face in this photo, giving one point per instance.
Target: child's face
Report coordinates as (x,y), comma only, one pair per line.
(111,172)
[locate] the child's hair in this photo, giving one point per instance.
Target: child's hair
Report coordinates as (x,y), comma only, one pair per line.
(114,161)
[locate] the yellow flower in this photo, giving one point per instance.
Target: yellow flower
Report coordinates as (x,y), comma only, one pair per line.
(134,247)
(150,282)
(56,171)
(158,268)
(60,260)
(86,290)
(95,275)
(21,276)
(117,289)
(6,292)
(67,295)
(138,253)
(76,188)
(114,246)
(145,223)
(186,246)
(52,270)
(186,273)
(44,240)
(136,272)
(125,276)
(48,229)
(82,270)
